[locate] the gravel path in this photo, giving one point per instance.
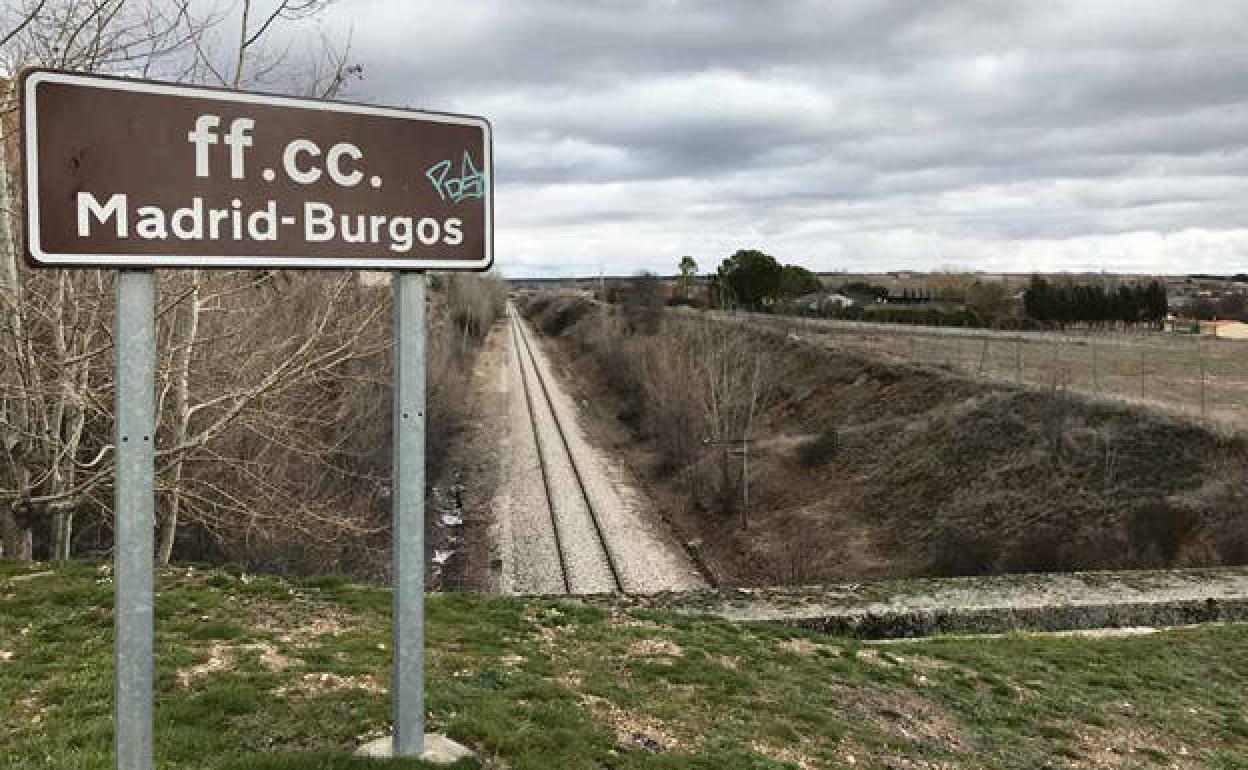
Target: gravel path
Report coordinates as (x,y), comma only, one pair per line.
(564,493)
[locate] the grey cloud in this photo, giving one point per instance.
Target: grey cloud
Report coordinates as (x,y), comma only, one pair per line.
(865,131)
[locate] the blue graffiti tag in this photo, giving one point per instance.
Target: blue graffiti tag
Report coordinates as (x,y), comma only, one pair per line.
(469,184)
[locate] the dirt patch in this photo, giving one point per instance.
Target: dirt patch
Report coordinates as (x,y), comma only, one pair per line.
(1129,746)
(552,636)
(906,715)
(220,658)
(223,656)
(785,754)
(271,659)
(805,648)
(323,626)
(313,684)
(654,648)
(571,680)
(31,711)
(300,623)
(854,755)
(632,730)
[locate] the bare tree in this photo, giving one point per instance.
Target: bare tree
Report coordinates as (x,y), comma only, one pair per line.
(25,16)
(55,332)
(732,393)
(704,385)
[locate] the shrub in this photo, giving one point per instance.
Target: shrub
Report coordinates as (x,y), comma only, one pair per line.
(474,302)
(533,305)
(563,313)
(957,550)
(643,302)
(1160,528)
(819,450)
(1233,545)
(1041,548)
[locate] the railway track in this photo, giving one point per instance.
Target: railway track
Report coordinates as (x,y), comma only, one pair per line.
(586,560)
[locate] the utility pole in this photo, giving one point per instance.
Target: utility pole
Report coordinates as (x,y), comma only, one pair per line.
(1056,364)
(1200,358)
(745,483)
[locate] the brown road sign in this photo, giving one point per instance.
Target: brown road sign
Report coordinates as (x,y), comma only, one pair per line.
(134,173)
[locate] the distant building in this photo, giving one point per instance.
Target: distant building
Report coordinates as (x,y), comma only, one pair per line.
(817,300)
(1226,329)
(1175,325)
(1231,330)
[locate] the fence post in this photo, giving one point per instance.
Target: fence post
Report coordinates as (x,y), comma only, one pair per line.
(1096,381)
(745,483)
(1200,358)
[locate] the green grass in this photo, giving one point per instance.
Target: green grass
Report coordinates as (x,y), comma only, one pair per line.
(261,673)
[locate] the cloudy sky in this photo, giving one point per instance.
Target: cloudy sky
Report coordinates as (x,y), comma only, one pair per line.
(842,134)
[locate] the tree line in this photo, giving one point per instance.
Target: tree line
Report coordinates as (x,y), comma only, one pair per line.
(754,279)
(1061,304)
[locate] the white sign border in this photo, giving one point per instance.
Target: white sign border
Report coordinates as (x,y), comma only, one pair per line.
(31,80)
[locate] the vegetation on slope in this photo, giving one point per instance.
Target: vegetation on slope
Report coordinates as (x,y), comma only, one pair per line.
(862,468)
(261,673)
(285,410)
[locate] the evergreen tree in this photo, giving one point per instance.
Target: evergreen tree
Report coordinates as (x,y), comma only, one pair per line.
(1036,299)
(1089,303)
(751,276)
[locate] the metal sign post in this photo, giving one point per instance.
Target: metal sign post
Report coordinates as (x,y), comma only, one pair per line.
(137,174)
(409,513)
(134,501)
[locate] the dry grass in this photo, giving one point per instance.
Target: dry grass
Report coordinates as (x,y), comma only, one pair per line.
(1205,378)
(930,472)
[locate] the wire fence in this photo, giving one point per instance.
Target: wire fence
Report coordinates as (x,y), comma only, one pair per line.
(1194,376)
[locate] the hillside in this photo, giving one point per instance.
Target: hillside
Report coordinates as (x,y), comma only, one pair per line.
(866,467)
(253,672)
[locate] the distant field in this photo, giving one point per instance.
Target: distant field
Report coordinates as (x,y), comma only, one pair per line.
(1199,377)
